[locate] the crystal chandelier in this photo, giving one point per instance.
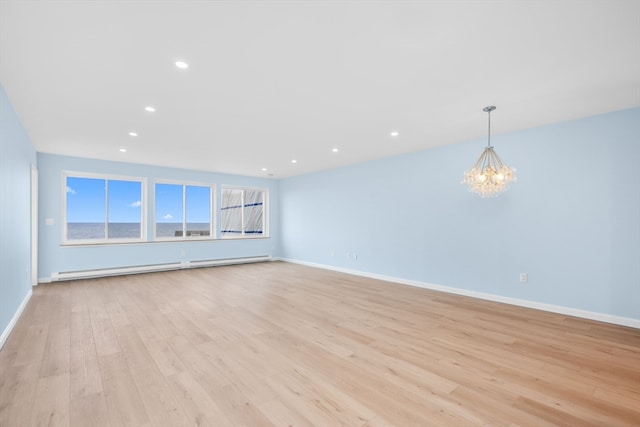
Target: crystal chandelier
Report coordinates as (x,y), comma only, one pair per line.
(489,176)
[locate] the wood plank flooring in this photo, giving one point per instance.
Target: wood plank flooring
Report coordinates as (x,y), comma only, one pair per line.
(279,344)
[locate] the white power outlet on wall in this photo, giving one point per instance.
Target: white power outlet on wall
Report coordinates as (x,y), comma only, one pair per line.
(523,277)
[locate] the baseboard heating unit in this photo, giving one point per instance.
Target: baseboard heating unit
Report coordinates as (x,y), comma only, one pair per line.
(118,271)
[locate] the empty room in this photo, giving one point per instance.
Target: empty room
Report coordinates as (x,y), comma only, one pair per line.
(320,213)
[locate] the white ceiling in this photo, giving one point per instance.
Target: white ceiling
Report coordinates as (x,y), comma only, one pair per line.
(269,82)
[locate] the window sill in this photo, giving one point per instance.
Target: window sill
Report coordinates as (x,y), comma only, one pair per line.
(157,241)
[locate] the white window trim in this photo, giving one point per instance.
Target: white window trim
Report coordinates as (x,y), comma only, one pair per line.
(106,177)
(212,207)
(265,212)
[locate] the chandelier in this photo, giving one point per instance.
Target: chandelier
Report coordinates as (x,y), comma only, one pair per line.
(489,176)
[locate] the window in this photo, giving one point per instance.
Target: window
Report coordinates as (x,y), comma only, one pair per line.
(183,211)
(100,209)
(242,212)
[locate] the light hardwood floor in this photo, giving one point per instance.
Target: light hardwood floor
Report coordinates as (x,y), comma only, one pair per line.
(278,344)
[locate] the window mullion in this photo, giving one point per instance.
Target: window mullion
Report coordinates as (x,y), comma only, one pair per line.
(244,231)
(184,211)
(212,212)
(106,210)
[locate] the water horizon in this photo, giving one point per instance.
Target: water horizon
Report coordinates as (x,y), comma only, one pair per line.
(131,230)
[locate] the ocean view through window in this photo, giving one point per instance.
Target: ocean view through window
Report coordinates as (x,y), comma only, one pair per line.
(103,208)
(183,211)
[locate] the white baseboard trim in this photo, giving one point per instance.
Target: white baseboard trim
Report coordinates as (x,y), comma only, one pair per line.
(14,319)
(601,317)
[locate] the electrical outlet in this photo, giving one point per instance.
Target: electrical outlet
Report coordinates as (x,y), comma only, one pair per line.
(355,256)
(523,277)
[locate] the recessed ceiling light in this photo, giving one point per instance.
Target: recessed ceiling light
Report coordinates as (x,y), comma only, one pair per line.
(294,161)
(182,64)
(394,133)
(123,150)
(335,150)
(133,134)
(264,169)
(149,108)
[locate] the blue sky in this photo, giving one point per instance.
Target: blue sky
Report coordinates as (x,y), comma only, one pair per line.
(86,201)
(169,203)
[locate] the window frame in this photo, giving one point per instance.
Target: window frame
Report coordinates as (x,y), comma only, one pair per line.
(265,212)
(106,177)
(212,210)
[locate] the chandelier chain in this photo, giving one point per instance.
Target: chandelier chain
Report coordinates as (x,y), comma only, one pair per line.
(489,130)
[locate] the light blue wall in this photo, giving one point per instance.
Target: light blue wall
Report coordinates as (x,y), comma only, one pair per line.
(571,221)
(17,155)
(55,258)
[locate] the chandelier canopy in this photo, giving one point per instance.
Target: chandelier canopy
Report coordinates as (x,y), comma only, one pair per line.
(489,176)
